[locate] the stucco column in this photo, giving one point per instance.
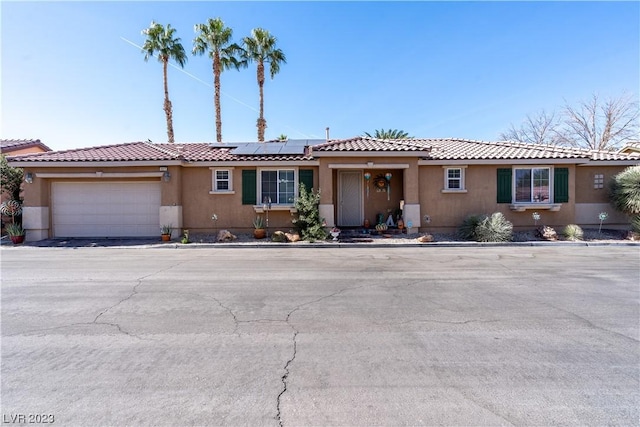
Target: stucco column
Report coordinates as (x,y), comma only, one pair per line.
(171,202)
(325,185)
(36,210)
(411,192)
(35,221)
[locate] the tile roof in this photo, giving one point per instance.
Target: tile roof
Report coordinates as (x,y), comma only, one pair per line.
(428,149)
(147,151)
(465,149)
(8,145)
(364,143)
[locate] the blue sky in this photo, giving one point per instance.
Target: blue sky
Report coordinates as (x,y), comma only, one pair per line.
(72,77)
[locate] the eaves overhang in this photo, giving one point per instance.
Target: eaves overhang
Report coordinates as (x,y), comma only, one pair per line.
(248,163)
(488,162)
(405,154)
(85,164)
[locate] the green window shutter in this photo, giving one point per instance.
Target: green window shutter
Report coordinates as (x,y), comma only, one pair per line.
(249,191)
(561,185)
(305,176)
(504,186)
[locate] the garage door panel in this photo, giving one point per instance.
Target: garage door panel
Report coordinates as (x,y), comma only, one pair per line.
(106,209)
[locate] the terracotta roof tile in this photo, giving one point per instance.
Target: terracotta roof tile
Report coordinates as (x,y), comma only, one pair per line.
(364,143)
(146,151)
(427,149)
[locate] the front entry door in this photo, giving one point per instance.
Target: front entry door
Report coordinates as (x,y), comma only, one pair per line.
(349,198)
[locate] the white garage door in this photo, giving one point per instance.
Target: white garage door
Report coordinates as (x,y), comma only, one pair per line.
(106,209)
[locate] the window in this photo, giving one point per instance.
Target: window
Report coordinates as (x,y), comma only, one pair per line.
(529,188)
(598,181)
(278,186)
(222,181)
(454,179)
(532,185)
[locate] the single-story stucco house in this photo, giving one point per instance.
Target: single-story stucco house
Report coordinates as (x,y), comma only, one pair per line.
(132,189)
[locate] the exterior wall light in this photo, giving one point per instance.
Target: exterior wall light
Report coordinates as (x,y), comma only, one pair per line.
(28,178)
(166,176)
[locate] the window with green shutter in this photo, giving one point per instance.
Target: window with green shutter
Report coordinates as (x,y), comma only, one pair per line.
(504,186)
(249,192)
(305,176)
(561,185)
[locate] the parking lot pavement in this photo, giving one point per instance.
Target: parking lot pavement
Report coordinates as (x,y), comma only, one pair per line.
(321,336)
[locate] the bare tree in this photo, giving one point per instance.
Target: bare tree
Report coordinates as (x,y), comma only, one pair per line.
(541,128)
(601,124)
(594,124)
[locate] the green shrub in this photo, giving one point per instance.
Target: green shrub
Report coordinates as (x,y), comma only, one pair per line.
(495,228)
(307,221)
(635,224)
(573,232)
(624,191)
(467,230)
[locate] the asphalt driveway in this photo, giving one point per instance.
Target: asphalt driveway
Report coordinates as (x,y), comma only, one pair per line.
(321,336)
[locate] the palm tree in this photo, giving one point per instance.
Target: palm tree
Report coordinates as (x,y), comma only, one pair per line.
(389,134)
(161,42)
(260,48)
(215,38)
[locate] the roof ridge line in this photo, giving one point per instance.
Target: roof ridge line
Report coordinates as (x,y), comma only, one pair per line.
(161,149)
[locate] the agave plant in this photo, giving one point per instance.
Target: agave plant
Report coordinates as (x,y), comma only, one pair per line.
(15,230)
(494,228)
(573,232)
(467,230)
(625,191)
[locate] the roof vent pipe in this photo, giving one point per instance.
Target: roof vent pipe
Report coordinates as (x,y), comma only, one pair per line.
(327,131)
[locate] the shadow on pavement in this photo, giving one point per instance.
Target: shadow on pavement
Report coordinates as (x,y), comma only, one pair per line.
(91,243)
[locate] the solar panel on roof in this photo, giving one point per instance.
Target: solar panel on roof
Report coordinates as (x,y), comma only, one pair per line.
(293,146)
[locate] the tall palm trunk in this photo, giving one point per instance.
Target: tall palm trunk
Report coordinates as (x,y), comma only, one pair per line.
(262,123)
(216,96)
(167,103)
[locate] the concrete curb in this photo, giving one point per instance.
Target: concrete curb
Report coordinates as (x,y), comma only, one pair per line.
(152,244)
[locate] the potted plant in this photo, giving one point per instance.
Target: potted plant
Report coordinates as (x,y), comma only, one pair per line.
(165,232)
(16,233)
(259,231)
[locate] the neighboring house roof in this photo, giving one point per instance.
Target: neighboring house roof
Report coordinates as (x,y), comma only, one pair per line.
(9,145)
(443,149)
(631,147)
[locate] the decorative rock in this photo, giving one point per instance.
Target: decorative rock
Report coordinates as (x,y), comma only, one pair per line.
(279,236)
(546,233)
(225,236)
(633,236)
(292,237)
(425,239)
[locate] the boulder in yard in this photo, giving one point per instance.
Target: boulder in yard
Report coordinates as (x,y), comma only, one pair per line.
(225,236)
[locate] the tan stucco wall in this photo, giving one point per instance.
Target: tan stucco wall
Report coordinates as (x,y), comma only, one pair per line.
(199,205)
(584,183)
(448,210)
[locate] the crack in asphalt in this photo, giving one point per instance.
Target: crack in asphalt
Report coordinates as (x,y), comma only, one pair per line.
(285,376)
(590,324)
(134,291)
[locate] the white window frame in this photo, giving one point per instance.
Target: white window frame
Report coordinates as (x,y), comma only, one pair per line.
(215,180)
(276,169)
(463,187)
(531,199)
